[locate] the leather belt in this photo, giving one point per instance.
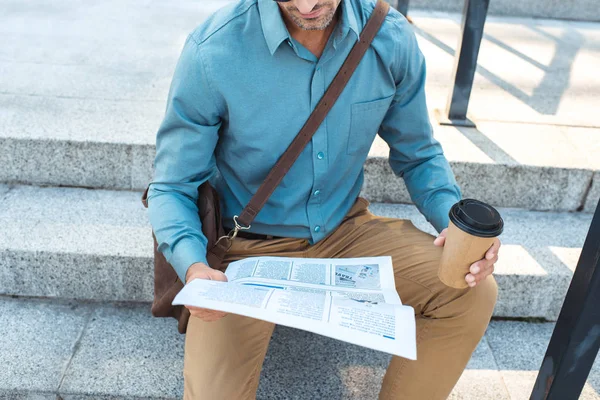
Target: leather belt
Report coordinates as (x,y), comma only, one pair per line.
(253,236)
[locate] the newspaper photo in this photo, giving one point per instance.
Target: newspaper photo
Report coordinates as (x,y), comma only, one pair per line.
(349,299)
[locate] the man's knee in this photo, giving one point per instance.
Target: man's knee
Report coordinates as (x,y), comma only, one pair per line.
(472,306)
(486,294)
(480,302)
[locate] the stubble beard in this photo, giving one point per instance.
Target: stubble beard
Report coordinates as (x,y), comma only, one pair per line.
(317,24)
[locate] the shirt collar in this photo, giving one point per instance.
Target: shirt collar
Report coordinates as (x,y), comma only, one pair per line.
(349,20)
(275,31)
(273,27)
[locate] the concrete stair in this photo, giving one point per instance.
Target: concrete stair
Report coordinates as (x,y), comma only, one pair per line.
(80,350)
(129,166)
(96,245)
(89,118)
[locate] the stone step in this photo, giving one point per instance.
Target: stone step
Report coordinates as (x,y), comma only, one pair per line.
(90,117)
(546,71)
(536,167)
(96,245)
(78,350)
(483,170)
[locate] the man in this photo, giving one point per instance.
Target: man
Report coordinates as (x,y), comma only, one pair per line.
(245,84)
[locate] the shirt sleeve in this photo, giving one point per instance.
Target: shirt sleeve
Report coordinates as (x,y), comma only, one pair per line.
(414,153)
(185,144)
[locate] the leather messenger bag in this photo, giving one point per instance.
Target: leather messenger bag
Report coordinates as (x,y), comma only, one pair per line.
(166,282)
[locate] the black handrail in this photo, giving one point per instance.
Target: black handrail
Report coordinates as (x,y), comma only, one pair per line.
(402,6)
(576,337)
(465,61)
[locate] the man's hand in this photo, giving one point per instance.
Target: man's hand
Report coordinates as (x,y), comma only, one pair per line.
(203,271)
(479,270)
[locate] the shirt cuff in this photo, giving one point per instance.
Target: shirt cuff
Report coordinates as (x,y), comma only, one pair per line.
(439,213)
(185,253)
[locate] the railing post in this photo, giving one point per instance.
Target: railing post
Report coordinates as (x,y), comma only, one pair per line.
(473,22)
(402,6)
(576,337)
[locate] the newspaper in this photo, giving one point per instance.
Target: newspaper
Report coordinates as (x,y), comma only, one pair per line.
(350,299)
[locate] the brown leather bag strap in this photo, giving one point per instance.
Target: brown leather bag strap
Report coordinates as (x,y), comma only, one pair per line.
(334,90)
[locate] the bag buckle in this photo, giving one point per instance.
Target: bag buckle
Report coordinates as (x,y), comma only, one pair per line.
(233,233)
(237,228)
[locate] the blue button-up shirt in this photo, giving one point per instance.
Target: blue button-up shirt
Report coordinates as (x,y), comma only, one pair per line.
(242,89)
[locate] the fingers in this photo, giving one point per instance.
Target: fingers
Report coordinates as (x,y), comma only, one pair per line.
(441,239)
(484,267)
(206,314)
(493,250)
(480,270)
(195,271)
(208,274)
(217,275)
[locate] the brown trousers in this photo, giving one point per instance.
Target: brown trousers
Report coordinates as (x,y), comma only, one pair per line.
(223,359)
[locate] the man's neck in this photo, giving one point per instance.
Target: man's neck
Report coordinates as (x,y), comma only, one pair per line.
(314,41)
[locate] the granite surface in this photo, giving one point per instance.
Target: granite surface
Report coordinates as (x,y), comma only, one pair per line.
(96,244)
(75,243)
(519,349)
(593,197)
(91,116)
(38,340)
(118,351)
(126,352)
(65,163)
(520,186)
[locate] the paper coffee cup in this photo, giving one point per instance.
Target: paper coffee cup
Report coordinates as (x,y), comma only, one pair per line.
(471,232)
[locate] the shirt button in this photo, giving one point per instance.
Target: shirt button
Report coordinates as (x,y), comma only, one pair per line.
(321,155)
(317,228)
(317,192)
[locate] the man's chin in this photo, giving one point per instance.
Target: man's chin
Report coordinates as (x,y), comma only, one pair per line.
(312,27)
(314,24)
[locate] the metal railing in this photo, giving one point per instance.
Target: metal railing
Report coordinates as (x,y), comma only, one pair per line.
(402,6)
(576,337)
(465,61)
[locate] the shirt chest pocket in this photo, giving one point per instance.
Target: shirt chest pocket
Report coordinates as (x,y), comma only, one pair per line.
(366,117)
